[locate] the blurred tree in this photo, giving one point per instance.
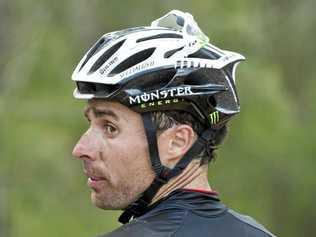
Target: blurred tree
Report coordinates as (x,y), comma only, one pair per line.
(266,167)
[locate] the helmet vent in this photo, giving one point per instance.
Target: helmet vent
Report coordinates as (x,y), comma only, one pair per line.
(172,52)
(204,53)
(105,56)
(132,61)
(93,51)
(160,36)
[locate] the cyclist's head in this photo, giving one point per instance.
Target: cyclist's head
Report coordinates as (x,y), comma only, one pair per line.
(169,66)
(170,74)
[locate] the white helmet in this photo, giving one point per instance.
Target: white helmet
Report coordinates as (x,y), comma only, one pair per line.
(174,47)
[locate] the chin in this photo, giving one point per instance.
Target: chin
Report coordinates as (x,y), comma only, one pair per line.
(102,202)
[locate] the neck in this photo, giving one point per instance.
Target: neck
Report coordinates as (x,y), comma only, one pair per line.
(193,176)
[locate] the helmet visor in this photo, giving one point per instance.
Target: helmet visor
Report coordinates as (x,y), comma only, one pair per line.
(89,90)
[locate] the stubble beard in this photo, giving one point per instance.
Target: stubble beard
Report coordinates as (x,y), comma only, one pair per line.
(117,196)
(110,199)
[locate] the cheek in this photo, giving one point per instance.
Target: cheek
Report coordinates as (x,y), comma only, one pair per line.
(129,160)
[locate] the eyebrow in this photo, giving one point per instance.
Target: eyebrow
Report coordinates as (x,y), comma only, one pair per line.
(98,113)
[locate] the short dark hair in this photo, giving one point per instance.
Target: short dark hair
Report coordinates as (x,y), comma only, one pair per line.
(166,119)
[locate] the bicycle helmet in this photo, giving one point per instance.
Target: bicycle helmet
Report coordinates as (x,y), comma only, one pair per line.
(169,65)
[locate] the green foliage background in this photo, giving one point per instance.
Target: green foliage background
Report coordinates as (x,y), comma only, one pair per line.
(265,168)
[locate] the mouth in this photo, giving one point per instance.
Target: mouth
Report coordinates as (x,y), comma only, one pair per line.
(95,183)
(93,180)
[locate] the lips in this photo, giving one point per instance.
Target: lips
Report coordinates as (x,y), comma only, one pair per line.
(92,175)
(95,183)
(93,178)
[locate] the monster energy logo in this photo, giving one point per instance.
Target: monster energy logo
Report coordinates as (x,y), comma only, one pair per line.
(160,94)
(214,117)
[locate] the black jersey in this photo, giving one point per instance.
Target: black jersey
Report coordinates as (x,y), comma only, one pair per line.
(188,213)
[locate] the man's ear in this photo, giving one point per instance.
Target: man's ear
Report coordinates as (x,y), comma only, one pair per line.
(174,142)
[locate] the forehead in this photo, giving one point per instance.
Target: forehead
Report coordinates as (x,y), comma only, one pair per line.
(101,108)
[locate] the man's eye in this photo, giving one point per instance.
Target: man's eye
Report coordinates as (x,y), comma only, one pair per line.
(110,129)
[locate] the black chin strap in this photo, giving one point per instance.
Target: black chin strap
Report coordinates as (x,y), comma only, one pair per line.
(163,173)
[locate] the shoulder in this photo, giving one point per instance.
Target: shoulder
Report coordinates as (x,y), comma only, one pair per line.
(132,229)
(160,223)
(188,224)
(251,223)
(227,223)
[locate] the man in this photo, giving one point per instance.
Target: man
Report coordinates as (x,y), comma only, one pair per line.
(159,98)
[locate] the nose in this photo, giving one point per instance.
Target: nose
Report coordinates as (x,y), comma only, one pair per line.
(83,149)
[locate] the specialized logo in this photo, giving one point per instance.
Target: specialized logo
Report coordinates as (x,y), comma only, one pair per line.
(158,95)
(137,68)
(214,117)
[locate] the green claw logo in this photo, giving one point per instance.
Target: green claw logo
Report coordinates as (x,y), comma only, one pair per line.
(214,117)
